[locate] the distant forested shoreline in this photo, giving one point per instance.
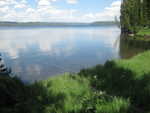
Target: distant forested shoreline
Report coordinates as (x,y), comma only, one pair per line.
(99,23)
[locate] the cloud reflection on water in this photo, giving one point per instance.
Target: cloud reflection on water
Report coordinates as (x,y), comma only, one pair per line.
(37,53)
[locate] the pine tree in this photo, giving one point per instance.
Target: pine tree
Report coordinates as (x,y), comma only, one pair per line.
(134,14)
(148,11)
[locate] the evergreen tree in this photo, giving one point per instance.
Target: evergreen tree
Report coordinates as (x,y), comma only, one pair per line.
(134,14)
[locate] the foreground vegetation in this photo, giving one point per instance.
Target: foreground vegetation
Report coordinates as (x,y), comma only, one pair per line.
(126,78)
(62,94)
(121,86)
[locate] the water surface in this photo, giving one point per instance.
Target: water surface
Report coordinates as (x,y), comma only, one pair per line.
(38,53)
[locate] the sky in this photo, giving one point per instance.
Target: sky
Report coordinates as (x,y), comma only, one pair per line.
(59,10)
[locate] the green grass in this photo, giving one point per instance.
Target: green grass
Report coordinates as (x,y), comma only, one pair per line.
(80,98)
(62,94)
(74,89)
(124,78)
(139,64)
(140,40)
(144,32)
(120,86)
(117,105)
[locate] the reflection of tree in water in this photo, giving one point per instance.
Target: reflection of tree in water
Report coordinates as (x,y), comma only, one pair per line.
(127,49)
(3,69)
(116,43)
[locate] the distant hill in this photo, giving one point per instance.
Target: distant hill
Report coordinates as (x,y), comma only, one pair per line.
(9,24)
(104,23)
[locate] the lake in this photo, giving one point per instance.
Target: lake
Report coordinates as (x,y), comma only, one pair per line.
(38,53)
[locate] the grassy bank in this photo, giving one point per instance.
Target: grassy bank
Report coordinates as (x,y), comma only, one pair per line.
(124,78)
(144,32)
(120,86)
(64,94)
(137,41)
(140,39)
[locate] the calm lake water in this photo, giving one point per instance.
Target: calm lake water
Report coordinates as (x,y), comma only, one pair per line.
(38,53)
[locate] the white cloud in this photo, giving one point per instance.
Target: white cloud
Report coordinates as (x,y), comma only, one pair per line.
(20,6)
(72,1)
(2,3)
(7,2)
(10,10)
(107,14)
(4,9)
(44,2)
(116,3)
